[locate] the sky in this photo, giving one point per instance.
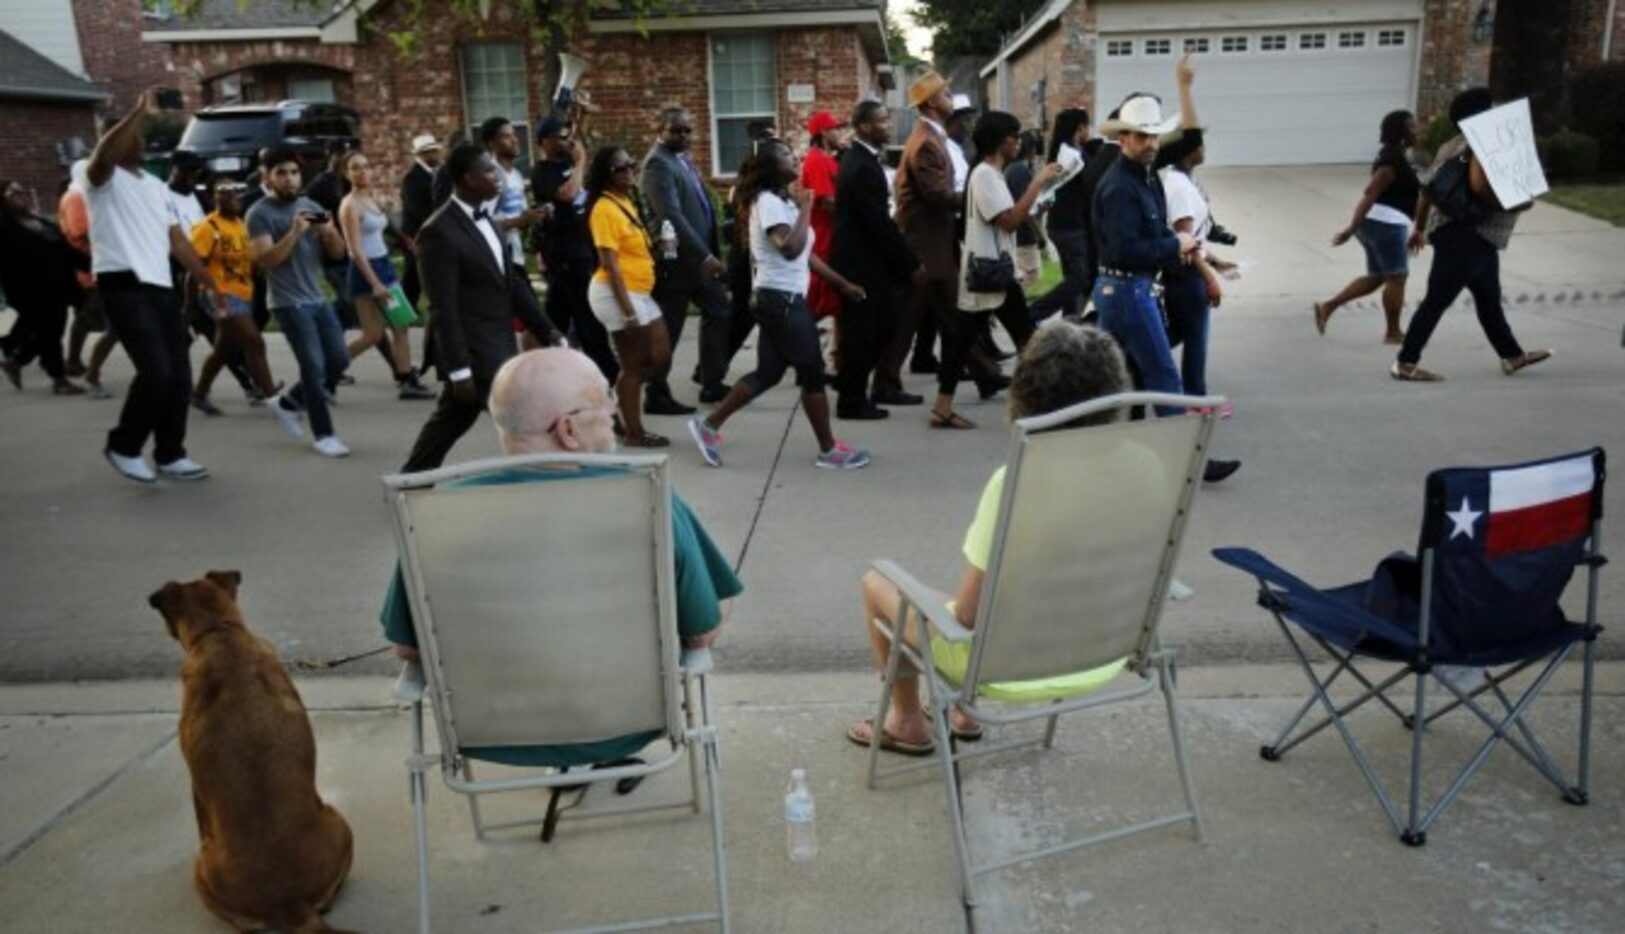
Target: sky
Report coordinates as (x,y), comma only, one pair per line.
(919,40)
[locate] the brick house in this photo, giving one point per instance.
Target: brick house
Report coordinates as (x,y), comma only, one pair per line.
(728,61)
(47,118)
(1284,82)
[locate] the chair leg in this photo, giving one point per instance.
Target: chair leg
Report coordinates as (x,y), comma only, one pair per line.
(713,782)
(420,815)
(1049,730)
(1412,835)
(956,815)
(893,659)
(1583,780)
(1177,732)
(689,716)
(473,802)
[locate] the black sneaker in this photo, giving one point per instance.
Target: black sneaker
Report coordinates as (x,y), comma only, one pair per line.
(1216,471)
(868,412)
(411,388)
(666,405)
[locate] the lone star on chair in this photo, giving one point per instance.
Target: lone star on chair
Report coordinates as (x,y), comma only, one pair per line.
(1463,520)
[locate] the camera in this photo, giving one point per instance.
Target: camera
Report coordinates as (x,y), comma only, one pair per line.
(1218,234)
(318,217)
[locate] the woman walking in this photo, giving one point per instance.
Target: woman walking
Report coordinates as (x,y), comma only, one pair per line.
(621,294)
(221,242)
(1192,290)
(1067,219)
(362,221)
(991,219)
(781,242)
(37,274)
(1382,222)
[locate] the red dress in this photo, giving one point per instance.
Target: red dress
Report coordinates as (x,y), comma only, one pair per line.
(818,177)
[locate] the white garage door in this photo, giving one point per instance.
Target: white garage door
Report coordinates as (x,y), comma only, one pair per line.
(1273,95)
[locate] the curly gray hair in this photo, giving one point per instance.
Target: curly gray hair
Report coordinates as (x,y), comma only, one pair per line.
(1064,364)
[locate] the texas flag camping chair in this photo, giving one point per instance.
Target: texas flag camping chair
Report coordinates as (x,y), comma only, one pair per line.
(1498,547)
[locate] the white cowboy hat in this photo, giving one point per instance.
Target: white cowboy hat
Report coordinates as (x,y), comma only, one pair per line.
(423,143)
(1140,115)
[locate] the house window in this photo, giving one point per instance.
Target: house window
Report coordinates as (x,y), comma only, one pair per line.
(1196,46)
(318,90)
(1312,40)
(1119,48)
(1233,44)
(1158,47)
(743,88)
(1351,40)
(1272,43)
(494,85)
(1390,38)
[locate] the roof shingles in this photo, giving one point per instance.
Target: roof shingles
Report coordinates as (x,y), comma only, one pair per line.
(26,73)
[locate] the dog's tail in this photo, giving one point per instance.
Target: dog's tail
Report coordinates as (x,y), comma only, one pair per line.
(313,923)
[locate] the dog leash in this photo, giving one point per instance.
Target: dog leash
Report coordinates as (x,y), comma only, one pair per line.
(323,664)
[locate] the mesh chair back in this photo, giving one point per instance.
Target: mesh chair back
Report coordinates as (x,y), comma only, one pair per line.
(542,593)
(1506,541)
(1090,524)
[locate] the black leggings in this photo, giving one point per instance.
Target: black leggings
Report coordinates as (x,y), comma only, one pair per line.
(961,328)
(38,333)
(788,339)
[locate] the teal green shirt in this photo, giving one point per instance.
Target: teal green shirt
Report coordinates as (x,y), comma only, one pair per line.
(704,579)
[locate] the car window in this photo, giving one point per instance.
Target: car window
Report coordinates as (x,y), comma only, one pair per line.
(209,132)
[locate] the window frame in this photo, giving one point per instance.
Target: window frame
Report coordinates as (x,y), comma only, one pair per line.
(1353,40)
(521,121)
(1243,42)
(1125,45)
(1320,45)
(1264,40)
(1401,34)
(1196,45)
(718,170)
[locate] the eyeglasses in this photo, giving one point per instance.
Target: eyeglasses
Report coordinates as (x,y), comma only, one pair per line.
(607,408)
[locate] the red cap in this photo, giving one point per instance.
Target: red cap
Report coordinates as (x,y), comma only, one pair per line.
(822,122)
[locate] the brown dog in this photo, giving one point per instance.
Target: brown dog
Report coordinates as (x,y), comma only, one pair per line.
(273,854)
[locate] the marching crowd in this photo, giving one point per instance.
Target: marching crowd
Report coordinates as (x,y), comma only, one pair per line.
(911,266)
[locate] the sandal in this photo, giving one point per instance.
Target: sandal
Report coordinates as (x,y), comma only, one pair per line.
(1511,365)
(953,420)
(888,742)
(1411,373)
(647,440)
(1321,317)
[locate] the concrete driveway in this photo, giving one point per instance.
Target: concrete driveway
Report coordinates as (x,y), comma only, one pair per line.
(1335,454)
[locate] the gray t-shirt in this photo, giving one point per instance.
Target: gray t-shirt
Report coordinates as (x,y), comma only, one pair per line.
(298,280)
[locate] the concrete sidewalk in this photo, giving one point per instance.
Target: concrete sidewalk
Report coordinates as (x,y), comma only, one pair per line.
(98,829)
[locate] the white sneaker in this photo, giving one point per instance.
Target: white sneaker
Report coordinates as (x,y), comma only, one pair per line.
(289,418)
(134,468)
(183,468)
(331,446)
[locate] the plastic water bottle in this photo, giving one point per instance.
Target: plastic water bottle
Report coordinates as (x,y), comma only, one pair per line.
(668,240)
(799,814)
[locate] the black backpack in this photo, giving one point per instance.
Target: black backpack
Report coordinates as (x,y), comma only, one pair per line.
(1450,190)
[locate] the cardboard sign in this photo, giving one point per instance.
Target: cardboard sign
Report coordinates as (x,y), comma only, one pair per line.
(1503,139)
(800,93)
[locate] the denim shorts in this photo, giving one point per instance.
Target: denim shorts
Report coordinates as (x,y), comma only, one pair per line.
(238,306)
(1385,253)
(355,284)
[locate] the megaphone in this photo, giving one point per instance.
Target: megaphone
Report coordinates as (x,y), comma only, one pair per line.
(571,68)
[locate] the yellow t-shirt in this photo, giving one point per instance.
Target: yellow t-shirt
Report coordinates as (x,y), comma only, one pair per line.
(613,228)
(953,658)
(222,244)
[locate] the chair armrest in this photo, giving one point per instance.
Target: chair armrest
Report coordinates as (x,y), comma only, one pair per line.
(931,606)
(410,686)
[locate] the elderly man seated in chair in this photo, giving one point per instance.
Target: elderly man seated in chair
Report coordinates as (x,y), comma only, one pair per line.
(555,401)
(1062,365)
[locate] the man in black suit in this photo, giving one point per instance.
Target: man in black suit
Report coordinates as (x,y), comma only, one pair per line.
(869,250)
(417,203)
(475,291)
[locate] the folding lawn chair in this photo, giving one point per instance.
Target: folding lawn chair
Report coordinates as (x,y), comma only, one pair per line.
(1498,547)
(545,617)
(1088,533)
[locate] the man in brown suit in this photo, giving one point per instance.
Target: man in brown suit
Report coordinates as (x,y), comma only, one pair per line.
(926,203)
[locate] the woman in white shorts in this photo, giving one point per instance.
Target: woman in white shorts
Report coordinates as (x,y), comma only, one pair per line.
(621,291)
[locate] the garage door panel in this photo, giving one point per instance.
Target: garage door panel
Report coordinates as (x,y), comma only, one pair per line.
(1294,106)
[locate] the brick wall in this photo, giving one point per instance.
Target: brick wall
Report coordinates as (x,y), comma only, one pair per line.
(1064,58)
(197,64)
(115,57)
(32,129)
(1451,60)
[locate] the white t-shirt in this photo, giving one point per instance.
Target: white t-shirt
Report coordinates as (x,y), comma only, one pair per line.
(186,210)
(772,270)
(129,226)
(1186,200)
(987,198)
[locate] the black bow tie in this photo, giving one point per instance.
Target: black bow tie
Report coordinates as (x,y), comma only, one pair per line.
(481,214)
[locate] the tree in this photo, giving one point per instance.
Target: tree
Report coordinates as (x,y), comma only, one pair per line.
(972,27)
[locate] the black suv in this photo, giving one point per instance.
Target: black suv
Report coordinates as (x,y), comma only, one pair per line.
(228,138)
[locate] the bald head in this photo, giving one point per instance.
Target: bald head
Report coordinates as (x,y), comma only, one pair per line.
(552,400)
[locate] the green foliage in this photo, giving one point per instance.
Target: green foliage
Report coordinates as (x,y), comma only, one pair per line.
(1596,107)
(897,43)
(1569,155)
(972,27)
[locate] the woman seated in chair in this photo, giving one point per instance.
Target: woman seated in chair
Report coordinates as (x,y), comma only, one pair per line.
(1062,365)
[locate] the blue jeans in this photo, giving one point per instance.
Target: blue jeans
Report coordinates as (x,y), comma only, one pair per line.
(1129,313)
(1188,319)
(318,344)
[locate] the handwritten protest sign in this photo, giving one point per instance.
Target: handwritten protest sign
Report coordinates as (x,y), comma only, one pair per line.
(1503,139)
